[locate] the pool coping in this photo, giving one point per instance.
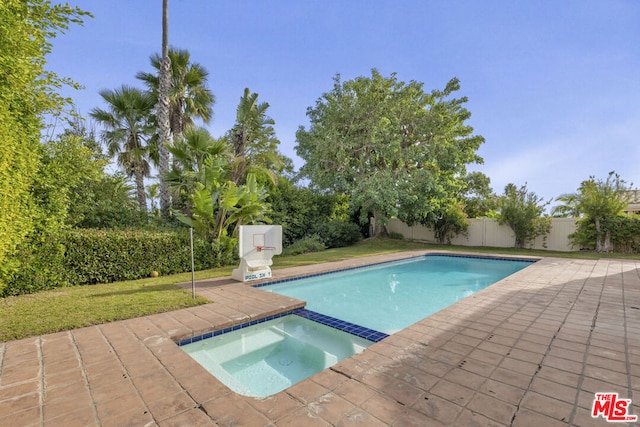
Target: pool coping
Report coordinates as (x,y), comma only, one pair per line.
(531,349)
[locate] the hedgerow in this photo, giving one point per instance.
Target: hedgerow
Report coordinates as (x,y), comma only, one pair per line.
(84,257)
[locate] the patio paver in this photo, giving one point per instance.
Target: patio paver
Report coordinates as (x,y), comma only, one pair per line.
(530,350)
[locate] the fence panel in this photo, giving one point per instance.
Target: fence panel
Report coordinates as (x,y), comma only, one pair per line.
(487,232)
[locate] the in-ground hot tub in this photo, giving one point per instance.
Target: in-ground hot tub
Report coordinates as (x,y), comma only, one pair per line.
(263,359)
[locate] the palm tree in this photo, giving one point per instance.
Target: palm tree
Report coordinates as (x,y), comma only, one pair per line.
(189,97)
(198,157)
(570,207)
(152,195)
(181,89)
(126,130)
(164,112)
(598,202)
(253,140)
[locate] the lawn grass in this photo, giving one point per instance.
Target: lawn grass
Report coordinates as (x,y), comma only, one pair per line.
(74,307)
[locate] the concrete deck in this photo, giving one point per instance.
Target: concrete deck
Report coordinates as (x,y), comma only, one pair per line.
(530,350)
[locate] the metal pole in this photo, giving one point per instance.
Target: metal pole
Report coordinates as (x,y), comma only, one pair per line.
(193,278)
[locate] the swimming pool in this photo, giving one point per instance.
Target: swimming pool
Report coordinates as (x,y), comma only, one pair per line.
(391,296)
(346,312)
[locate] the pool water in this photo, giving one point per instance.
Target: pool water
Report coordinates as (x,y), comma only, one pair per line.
(391,296)
(263,359)
(369,302)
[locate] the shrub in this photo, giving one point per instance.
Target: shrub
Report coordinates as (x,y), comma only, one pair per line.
(38,264)
(624,232)
(80,257)
(104,256)
(298,209)
(305,245)
(337,234)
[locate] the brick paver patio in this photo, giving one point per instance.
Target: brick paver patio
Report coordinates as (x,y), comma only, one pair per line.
(530,350)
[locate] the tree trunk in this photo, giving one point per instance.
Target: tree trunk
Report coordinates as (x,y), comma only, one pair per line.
(519,242)
(163,109)
(378,229)
(599,237)
(239,154)
(442,234)
(238,170)
(141,194)
(606,244)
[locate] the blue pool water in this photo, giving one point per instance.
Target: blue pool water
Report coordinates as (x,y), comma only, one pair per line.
(263,359)
(391,296)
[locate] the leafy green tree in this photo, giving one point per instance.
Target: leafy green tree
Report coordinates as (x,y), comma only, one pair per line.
(97,199)
(449,221)
(597,202)
(218,207)
(302,211)
(396,150)
(253,141)
(106,202)
(474,199)
(65,164)
(194,157)
(479,198)
(569,208)
(126,122)
(27,91)
(523,212)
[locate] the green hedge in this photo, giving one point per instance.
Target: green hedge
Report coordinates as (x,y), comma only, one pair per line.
(81,257)
(104,256)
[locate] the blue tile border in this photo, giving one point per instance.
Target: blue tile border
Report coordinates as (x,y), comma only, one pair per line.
(353,329)
(324,273)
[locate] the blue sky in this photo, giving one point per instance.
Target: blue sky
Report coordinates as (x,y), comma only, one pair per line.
(553,86)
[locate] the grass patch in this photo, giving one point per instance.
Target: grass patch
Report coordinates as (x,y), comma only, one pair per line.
(69,308)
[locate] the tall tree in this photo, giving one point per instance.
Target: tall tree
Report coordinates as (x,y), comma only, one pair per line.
(396,150)
(523,211)
(189,96)
(126,122)
(598,202)
(253,141)
(27,91)
(479,198)
(163,111)
(474,199)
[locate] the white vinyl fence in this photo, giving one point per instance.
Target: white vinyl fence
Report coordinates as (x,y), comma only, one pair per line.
(487,232)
